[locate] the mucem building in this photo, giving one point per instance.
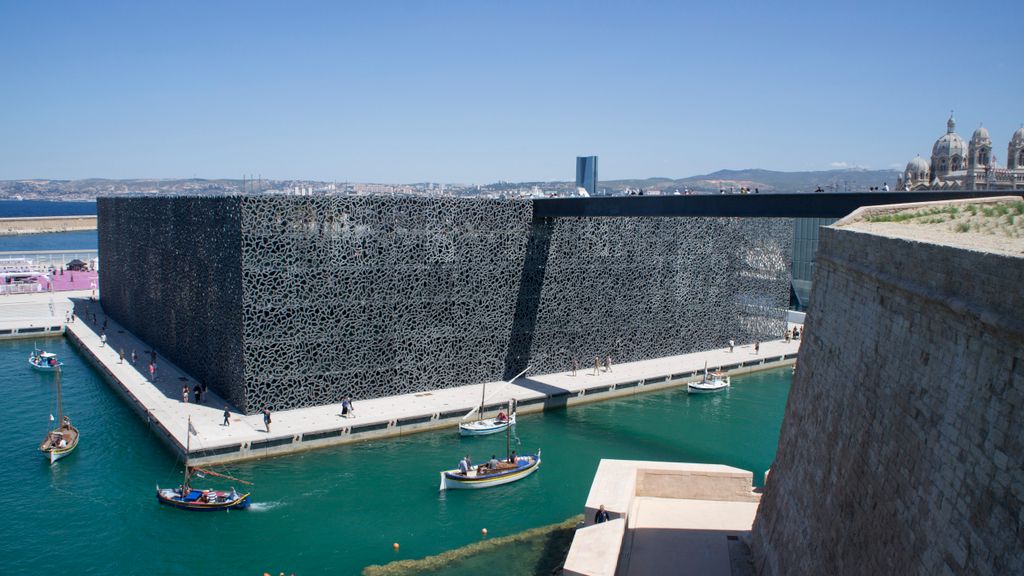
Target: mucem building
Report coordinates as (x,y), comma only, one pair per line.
(291,301)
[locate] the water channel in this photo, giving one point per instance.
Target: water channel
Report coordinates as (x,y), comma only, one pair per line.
(335,510)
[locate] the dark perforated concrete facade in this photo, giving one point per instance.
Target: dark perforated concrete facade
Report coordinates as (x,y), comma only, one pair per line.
(304,299)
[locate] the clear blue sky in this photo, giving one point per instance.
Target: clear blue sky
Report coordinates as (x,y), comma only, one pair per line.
(388,91)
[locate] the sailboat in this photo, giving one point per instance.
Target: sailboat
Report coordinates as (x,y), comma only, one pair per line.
(711,383)
(493,473)
(483,426)
(60,441)
(186,497)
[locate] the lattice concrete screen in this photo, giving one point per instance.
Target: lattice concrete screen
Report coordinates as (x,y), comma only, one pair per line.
(295,301)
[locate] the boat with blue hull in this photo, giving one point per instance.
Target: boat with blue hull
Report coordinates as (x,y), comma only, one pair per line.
(185,497)
(486,476)
(44,361)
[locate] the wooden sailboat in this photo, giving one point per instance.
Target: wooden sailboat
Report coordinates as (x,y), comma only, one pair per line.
(483,426)
(185,497)
(492,473)
(63,439)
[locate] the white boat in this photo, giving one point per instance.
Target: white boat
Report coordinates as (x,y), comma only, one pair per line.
(487,426)
(62,440)
(483,426)
(44,361)
(711,383)
(484,476)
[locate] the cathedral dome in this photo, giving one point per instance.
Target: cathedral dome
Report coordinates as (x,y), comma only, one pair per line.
(1018,136)
(916,166)
(981,136)
(949,145)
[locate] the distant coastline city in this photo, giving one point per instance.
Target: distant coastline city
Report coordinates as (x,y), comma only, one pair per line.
(727,181)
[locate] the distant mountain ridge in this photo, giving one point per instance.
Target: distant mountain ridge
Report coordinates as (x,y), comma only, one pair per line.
(767,180)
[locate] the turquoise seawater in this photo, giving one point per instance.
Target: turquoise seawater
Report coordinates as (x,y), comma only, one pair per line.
(331,511)
(70,241)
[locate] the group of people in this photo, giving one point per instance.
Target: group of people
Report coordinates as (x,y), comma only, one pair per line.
(793,333)
(466,464)
(197,391)
(598,364)
(347,409)
(39,360)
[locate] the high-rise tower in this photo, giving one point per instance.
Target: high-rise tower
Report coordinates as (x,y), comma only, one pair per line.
(586,173)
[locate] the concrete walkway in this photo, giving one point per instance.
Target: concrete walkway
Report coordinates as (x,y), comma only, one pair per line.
(160,401)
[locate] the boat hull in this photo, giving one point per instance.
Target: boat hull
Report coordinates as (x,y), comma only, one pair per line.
(195,500)
(54,453)
(45,367)
(696,390)
(485,427)
(452,480)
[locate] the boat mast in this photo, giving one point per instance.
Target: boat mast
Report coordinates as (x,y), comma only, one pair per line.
(60,405)
(508,433)
(188,443)
(483,396)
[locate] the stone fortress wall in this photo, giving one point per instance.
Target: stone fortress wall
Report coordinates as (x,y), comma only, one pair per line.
(301,300)
(902,445)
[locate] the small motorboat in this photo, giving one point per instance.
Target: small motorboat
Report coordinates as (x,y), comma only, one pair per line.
(44,361)
(484,476)
(712,382)
(487,426)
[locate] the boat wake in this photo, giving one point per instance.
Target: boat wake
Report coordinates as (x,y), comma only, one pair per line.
(264,506)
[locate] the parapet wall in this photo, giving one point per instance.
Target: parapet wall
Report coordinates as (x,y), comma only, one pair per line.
(307,299)
(902,443)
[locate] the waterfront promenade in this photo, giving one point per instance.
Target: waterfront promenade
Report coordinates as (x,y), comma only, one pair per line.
(160,402)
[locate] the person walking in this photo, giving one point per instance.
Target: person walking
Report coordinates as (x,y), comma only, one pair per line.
(135,357)
(266,419)
(597,365)
(575,365)
(184,394)
(757,347)
(227,416)
(152,372)
(198,392)
(731,344)
(608,363)
(121,354)
(601,515)
(103,339)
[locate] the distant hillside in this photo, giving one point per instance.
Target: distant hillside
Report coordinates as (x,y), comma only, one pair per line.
(766,181)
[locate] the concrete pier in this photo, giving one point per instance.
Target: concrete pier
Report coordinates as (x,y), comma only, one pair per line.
(35,315)
(41,224)
(160,403)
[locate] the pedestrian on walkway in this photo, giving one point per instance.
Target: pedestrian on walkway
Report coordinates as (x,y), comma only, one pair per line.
(152,372)
(198,393)
(103,339)
(608,363)
(731,344)
(757,347)
(184,393)
(104,324)
(575,365)
(135,357)
(266,419)
(597,365)
(227,416)
(121,354)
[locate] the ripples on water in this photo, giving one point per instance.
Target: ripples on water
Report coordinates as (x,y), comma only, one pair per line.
(333,510)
